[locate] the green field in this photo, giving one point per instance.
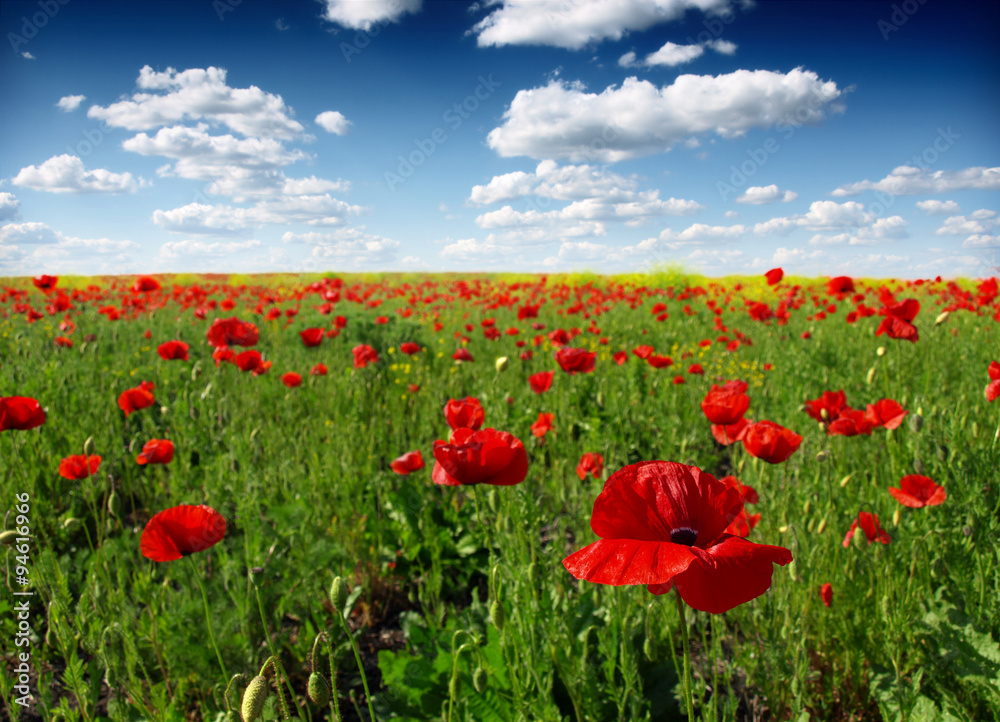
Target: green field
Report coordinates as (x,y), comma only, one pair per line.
(458,605)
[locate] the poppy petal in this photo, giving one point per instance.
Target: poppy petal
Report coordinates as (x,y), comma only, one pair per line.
(181,530)
(628,561)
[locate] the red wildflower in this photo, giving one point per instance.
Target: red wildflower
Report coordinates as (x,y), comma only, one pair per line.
(319,370)
(992,390)
(248,360)
(870,526)
(364,355)
(20,413)
(851,422)
(291,379)
(542,381)
(840,285)
(743,524)
(726,405)
(543,425)
(885,413)
(181,530)
(409,347)
(223,353)
(63,342)
(410,461)
(462,355)
(486,456)
(731,433)
(173,351)
(138,398)
(774,276)
(156,451)
(232,332)
(918,491)
(413,388)
(590,464)
(827,407)
(79,467)
(696,369)
(660,362)
(45,283)
(663,524)
(643,352)
(576,360)
(145,284)
(770,441)
(619,357)
(898,320)
(464,413)
(994,370)
(826,594)
(311,337)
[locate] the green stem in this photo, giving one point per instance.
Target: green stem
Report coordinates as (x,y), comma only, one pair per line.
(333,681)
(280,678)
(361,668)
(208,616)
(688,684)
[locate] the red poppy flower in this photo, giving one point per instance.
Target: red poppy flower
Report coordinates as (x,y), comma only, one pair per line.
(486,456)
(743,524)
(840,285)
(826,594)
(992,390)
(63,342)
(851,422)
(576,360)
(223,354)
(145,284)
(542,381)
(232,332)
(319,370)
(774,276)
(79,467)
(590,464)
(173,351)
(870,526)
(462,355)
(770,441)
(181,530)
(410,461)
(409,347)
(20,413)
(725,405)
(619,357)
(138,398)
(898,320)
(45,283)
(464,413)
(543,425)
(156,451)
(994,370)
(660,362)
(747,492)
(827,407)
(663,524)
(730,433)
(291,379)
(885,413)
(364,355)
(643,352)
(918,491)
(248,360)
(311,337)
(696,369)
(413,388)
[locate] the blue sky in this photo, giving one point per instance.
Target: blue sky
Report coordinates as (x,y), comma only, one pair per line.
(520,135)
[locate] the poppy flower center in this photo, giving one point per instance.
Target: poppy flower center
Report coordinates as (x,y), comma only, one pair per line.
(684,535)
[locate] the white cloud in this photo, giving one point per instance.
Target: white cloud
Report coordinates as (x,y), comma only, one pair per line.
(822,216)
(27,56)
(352,246)
(732,214)
(722,46)
(503,188)
(758,195)
(981,221)
(627,60)
(672,55)
(981,241)
(32,234)
(796,256)
(174,250)
(938,208)
(9,207)
(562,120)
(333,121)
(69,103)
(313,185)
(53,252)
(469,249)
(576,23)
(174,96)
(700,234)
(200,219)
(366,14)
(66,174)
(907,180)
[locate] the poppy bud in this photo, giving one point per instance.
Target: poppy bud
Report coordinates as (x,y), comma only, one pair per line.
(824,414)
(131,446)
(823,425)
(497,615)
(811,525)
(975,429)
(805,507)
(843,482)
(792,569)
(88,446)
(870,376)
(479,679)
(495,578)
(916,422)
(254,697)
(822,456)
(8,537)
(164,410)
(880,351)
(494,500)
(318,690)
(918,465)
(859,538)
(338,595)
(782,529)
(896,516)
(822,526)
(114,504)
(942,452)
(501,363)
(648,649)
(600,399)
(942,317)
(71,523)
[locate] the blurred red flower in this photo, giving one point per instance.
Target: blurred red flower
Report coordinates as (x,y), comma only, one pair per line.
(20,413)
(590,464)
(410,461)
(79,467)
(63,342)
(464,413)
(181,530)
(840,285)
(364,355)
(140,397)
(409,347)
(543,424)
(145,284)
(291,379)
(319,370)
(542,381)
(827,407)
(462,355)
(730,433)
(248,360)
(774,276)
(311,337)
(898,320)
(173,351)
(726,404)
(870,526)
(576,360)
(885,413)
(232,332)
(643,352)
(826,594)
(918,491)
(663,524)
(45,283)
(770,441)
(156,451)
(486,456)
(851,422)
(619,357)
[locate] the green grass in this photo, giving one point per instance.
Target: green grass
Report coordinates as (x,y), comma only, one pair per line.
(302,476)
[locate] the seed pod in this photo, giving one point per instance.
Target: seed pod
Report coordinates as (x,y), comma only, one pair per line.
(942,452)
(648,649)
(916,422)
(338,594)
(88,446)
(822,456)
(8,537)
(497,615)
(942,317)
(318,690)
(880,351)
(918,465)
(896,516)
(254,697)
(843,482)
(822,526)
(870,376)
(975,429)
(480,679)
(495,577)
(793,571)
(115,504)
(859,538)
(811,525)
(501,364)
(805,507)
(600,399)
(71,523)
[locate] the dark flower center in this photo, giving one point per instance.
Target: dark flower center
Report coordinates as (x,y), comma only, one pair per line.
(684,535)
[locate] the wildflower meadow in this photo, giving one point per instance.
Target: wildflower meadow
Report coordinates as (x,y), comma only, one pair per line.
(499,497)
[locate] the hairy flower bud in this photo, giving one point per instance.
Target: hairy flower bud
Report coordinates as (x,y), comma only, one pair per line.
(88,446)
(254,697)
(338,594)
(318,690)
(497,614)
(480,679)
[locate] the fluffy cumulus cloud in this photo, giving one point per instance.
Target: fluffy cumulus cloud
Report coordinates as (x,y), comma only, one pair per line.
(333,121)
(909,180)
(979,228)
(758,195)
(66,174)
(196,249)
(200,94)
(699,234)
(201,219)
(576,23)
(855,224)
(364,15)
(353,247)
(31,248)
(562,120)
(672,54)
(938,208)
(69,103)
(10,207)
